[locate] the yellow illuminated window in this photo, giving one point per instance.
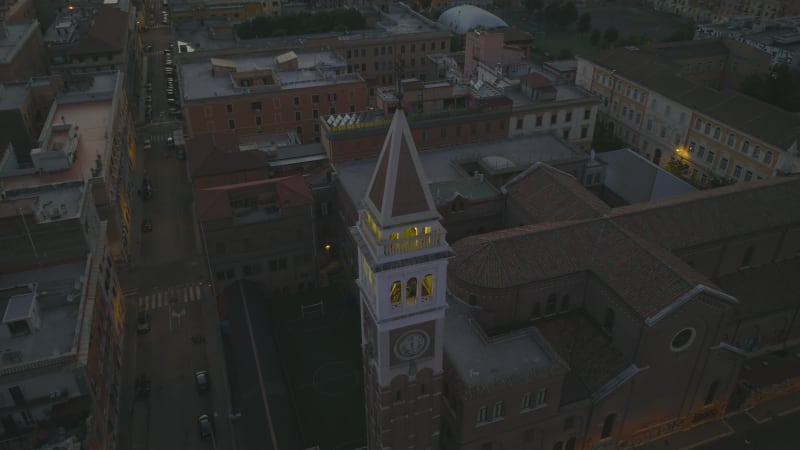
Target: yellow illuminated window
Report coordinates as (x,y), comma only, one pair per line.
(410,232)
(367,271)
(427,230)
(394,236)
(373,226)
(411,291)
(427,285)
(396,294)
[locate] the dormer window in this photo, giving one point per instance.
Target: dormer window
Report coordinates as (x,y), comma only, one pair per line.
(411,292)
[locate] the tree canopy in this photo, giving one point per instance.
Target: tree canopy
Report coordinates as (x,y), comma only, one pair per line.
(585,23)
(561,14)
(302,23)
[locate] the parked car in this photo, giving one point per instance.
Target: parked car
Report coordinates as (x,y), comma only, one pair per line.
(147,226)
(142,322)
(148,48)
(202,380)
(170,142)
(147,144)
(205,426)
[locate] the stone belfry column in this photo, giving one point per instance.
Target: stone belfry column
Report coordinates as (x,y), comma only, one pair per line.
(403,258)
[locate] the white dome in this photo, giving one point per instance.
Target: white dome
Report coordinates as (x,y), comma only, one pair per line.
(461,19)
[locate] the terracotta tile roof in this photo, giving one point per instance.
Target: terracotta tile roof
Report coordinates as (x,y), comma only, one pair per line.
(398,192)
(218,153)
(107,35)
(777,282)
(214,202)
(512,34)
(536,80)
(581,343)
(749,115)
(714,214)
(547,194)
(647,277)
(690,49)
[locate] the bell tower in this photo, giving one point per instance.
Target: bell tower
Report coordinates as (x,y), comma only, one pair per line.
(403,258)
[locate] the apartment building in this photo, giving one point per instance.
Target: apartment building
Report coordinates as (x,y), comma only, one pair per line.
(236,11)
(720,11)
(22,51)
(268,94)
(441,114)
(24,106)
(506,47)
(542,102)
(86,39)
(262,231)
(63,319)
(88,134)
(393,49)
(728,124)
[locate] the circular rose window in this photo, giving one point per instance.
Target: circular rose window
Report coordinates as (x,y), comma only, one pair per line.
(682,339)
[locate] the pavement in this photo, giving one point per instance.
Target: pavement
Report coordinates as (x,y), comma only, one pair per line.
(759,428)
(167,264)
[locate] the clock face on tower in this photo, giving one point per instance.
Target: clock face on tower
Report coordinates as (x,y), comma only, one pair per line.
(411,344)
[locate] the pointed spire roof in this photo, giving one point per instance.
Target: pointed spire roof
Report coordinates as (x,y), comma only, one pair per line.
(398,192)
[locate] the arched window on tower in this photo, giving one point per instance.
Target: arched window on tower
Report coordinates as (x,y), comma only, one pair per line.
(411,291)
(410,232)
(396,294)
(427,288)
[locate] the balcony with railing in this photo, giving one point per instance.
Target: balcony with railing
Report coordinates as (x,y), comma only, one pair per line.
(396,244)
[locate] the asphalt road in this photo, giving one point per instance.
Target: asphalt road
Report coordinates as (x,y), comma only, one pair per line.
(169,358)
(165,258)
(779,433)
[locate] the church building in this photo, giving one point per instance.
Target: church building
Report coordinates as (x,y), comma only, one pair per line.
(578,325)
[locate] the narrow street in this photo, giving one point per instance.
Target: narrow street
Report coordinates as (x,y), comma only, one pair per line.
(167,281)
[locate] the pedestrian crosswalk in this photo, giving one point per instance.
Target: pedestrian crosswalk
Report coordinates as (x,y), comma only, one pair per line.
(159,138)
(162,297)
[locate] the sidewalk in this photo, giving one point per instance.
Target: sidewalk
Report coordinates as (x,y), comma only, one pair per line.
(778,407)
(225,437)
(711,431)
(694,437)
(126,420)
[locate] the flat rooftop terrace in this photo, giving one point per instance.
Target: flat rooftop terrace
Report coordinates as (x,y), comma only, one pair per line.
(51,202)
(59,293)
(314,69)
(442,165)
(93,119)
(481,360)
(16,36)
(13,94)
(395,22)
